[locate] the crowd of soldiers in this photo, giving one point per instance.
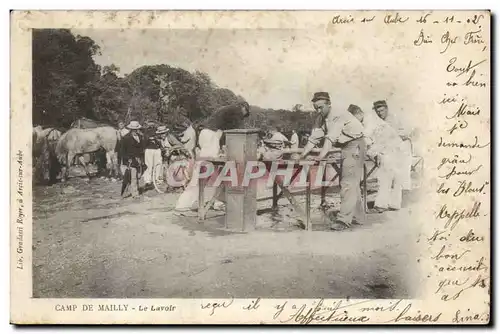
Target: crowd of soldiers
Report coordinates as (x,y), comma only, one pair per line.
(356,132)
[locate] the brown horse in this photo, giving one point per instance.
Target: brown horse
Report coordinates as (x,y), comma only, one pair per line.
(76,142)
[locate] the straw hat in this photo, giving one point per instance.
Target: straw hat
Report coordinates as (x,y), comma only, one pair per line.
(161,129)
(133,125)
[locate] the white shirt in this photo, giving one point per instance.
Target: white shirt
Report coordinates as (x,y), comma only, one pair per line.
(123,132)
(294,140)
(397,125)
(278,136)
(189,138)
(382,139)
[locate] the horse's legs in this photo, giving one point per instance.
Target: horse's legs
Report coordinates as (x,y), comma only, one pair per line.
(82,161)
(67,164)
(111,164)
(116,164)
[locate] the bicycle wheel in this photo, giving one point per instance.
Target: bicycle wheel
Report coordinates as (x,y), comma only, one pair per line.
(160,178)
(182,173)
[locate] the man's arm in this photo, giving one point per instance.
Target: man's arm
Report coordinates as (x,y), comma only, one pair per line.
(326,148)
(313,140)
(397,125)
(173,140)
(185,138)
(334,131)
(335,127)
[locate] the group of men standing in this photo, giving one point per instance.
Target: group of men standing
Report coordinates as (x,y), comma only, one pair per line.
(357,134)
(139,152)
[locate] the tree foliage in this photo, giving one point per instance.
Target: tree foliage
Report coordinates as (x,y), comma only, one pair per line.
(64,77)
(68,84)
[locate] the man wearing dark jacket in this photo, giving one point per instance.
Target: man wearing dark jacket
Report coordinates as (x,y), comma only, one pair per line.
(132,152)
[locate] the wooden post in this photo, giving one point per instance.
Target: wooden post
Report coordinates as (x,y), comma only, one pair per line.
(323,189)
(241,200)
(308,200)
(201,198)
(275,196)
(365,189)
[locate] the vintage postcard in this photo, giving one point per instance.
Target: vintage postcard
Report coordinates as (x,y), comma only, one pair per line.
(250,167)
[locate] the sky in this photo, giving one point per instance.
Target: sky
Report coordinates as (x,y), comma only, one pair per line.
(271,68)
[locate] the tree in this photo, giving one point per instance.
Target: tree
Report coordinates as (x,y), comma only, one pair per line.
(68,84)
(113,96)
(298,107)
(64,76)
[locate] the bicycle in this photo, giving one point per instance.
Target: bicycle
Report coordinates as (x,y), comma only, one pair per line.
(180,172)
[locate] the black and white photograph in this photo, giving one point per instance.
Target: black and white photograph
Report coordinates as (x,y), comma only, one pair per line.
(288,161)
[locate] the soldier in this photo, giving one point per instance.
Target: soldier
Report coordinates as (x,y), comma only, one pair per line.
(279,138)
(340,129)
(385,144)
(294,140)
(382,110)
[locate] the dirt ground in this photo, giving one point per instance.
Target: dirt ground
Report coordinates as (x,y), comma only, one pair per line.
(88,242)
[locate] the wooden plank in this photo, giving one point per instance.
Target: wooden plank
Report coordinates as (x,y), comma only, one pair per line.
(209,204)
(323,189)
(308,200)
(297,206)
(275,196)
(292,200)
(201,199)
(365,190)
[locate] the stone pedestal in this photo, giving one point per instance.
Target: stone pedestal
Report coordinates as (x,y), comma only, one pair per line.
(241,201)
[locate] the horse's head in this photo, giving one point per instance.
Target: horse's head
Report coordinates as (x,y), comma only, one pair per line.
(36,131)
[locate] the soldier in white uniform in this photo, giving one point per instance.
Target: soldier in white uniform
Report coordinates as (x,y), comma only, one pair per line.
(382,111)
(385,144)
(341,129)
(277,136)
(294,140)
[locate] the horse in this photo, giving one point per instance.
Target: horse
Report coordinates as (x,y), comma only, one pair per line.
(45,163)
(52,134)
(76,142)
(87,123)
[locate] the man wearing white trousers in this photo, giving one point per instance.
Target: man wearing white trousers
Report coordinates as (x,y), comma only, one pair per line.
(152,154)
(385,144)
(382,110)
(210,140)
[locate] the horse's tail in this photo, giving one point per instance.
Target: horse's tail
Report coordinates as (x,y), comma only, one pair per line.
(53,135)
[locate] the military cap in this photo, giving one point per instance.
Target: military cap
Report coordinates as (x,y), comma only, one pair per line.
(320,96)
(380,103)
(353,108)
